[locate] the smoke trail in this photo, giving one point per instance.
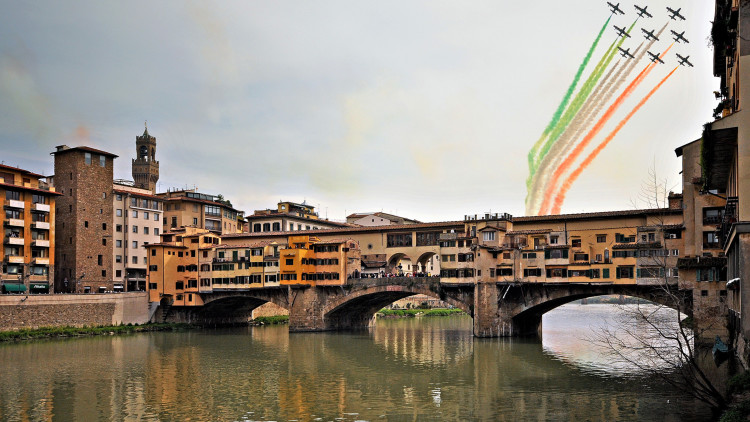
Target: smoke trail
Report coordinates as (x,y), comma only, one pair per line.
(532,183)
(595,131)
(541,175)
(560,198)
(556,115)
(577,103)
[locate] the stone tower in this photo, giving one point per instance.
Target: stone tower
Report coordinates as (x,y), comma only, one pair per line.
(145,166)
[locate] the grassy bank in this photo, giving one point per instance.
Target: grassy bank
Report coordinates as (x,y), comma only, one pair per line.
(271,320)
(60,332)
(408,313)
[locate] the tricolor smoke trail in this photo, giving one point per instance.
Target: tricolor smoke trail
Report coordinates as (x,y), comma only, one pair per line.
(565,165)
(564,103)
(560,198)
(603,94)
(578,102)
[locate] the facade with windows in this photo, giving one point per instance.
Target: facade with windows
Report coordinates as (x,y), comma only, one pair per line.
(288,217)
(137,222)
(189,208)
(28,223)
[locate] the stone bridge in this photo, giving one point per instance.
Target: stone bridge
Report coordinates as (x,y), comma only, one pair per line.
(498,309)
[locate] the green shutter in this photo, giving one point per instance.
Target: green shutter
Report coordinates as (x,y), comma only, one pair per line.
(549,273)
(565,254)
(605,273)
(638,272)
(547,254)
(617,272)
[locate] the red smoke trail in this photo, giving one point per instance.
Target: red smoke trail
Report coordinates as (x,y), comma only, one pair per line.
(593,132)
(560,198)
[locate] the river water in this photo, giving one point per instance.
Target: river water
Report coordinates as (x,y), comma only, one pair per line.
(402,370)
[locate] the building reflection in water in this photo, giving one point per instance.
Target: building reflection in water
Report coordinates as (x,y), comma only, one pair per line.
(429,368)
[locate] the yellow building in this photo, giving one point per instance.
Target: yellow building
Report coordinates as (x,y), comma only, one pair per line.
(188,208)
(29,231)
(308,260)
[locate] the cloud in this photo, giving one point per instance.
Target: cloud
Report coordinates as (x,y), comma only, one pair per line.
(25,107)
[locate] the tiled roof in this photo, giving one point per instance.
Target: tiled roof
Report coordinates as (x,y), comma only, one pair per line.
(86,149)
(20,170)
(591,215)
(367,229)
(241,246)
(46,192)
(144,195)
(538,231)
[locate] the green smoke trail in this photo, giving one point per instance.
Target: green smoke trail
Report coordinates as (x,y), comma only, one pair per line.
(564,103)
(579,100)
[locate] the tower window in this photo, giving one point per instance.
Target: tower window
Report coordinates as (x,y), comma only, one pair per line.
(102,160)
(87,158)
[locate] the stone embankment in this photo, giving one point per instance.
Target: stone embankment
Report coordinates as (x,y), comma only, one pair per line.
(72,310)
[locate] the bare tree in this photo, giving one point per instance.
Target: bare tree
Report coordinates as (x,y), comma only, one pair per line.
(654,191)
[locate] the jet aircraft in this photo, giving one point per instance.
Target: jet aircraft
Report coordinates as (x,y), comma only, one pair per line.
(615,8)
(642,11)
(655,57)
(680,37)
(675,13)
(684,60)
(626,53)
(621,32)
(650,35)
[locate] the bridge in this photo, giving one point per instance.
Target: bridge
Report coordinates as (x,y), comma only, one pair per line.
(499,309)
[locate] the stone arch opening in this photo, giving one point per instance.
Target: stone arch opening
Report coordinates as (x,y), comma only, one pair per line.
(399,263)
(358,310)
(426,263)
(224,309)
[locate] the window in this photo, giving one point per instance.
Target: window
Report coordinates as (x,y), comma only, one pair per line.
(135,214)
(145,230)
(557,272)
(118,243)
(102,160)
(104,242)
(179,285)
(118,273)
(605,273)
(134,260)
(553,240)
(87,158)
(195,221)
(118,258)
(135,229)
(576,243)
(118,228)
(153,268)
(104,274)
(624,272)
(13,195)
(488,236)
(398,240)
(156,231)
(556,254)
(529,255)
(86,224)
(145,215)
(213,210)
(118,197)
(156,217)
(532,272)
(174,222)
(38,199)
(135,244)
(153,252)
(290,261)
(118,213)
(99,259)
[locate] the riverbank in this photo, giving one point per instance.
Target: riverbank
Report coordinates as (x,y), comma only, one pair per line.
(411,313)
(64,332)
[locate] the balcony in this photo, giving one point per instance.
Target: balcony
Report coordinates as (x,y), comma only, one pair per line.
(40,261)
(41,225)
(447,236)
(10,240)
(41,207)
(39,243)
(14,222)
(14,259)
(12,203)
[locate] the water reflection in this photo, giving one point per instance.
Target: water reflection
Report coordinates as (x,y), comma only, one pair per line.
(426,369)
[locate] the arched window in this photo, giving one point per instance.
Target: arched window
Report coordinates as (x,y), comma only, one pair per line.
(266,227)
(277,227)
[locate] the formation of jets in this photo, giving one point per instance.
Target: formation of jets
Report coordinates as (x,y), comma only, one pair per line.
(655,57)
(626,53)
(684,60)
(649,35)
(621,32)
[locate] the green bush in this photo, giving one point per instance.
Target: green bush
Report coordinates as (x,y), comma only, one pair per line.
(272,320)
(739,383)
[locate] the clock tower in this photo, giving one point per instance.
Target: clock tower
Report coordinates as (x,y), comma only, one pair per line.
(145,166)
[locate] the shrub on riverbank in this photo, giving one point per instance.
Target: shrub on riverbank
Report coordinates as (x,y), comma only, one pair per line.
(409,313)
(55,332)
(739,388)
(271,320)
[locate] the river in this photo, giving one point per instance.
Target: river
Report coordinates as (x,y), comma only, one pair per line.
(402,369)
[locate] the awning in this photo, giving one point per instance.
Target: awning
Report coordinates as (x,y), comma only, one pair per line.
(118,287)
(14,287)
(39,286)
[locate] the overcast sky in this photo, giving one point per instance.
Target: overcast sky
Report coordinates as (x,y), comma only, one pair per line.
(426,109)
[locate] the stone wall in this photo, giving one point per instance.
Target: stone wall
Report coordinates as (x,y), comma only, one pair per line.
(33,311)
(269,309)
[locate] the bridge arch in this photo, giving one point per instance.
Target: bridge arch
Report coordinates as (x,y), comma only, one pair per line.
(358,308)
(421,263)
(521,308)
(225,308)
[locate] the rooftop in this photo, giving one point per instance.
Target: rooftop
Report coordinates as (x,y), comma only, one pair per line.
(64,148)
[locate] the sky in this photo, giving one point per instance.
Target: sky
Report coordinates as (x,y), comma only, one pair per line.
(426,109)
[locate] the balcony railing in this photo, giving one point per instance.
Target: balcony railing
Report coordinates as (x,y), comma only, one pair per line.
(41,207)
(14,259)
(40,261)
(39,243)
(731,213)
(13,203)
(11,240)
(14,222)
(41,225)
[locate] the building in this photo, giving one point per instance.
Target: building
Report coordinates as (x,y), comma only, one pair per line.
(84,251)
(309,260)
(725,160)
(29,232)
(378,219)
(137,222)
(288,216)
(145,166)
(189,208)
